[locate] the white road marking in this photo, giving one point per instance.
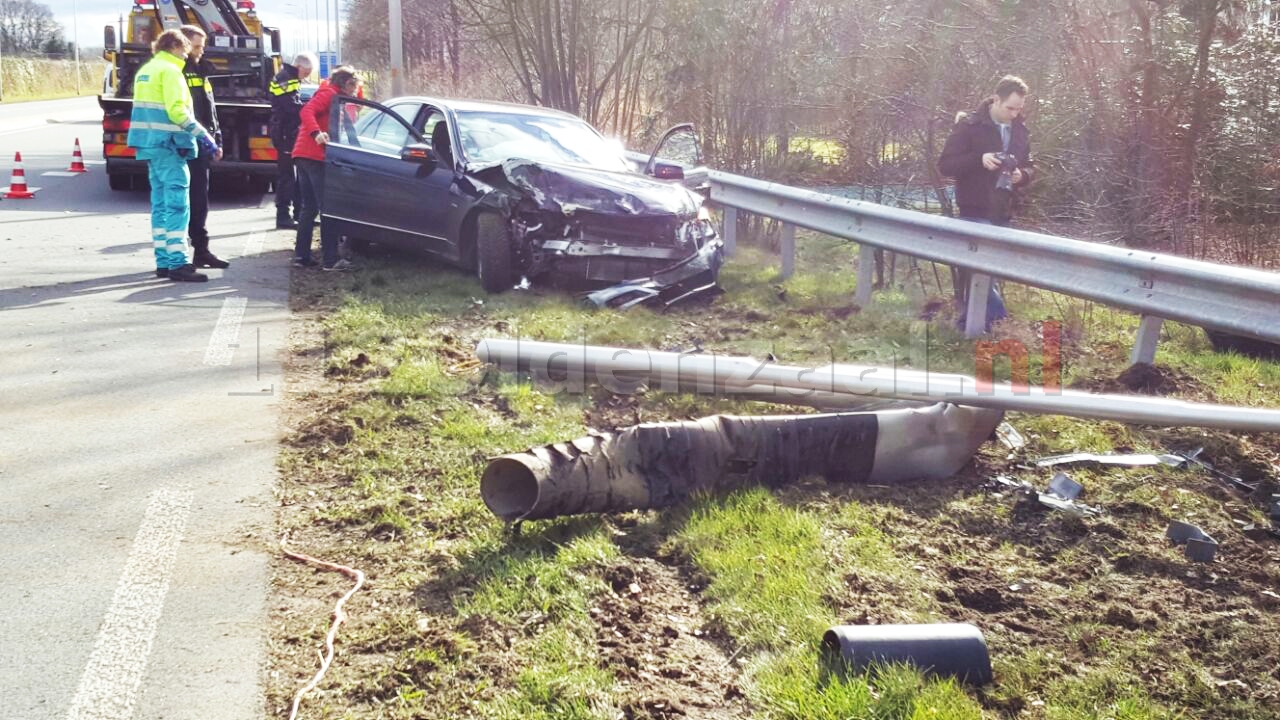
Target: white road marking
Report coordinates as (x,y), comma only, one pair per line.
(109,687)
(226,334)
(254,243)
(60,173)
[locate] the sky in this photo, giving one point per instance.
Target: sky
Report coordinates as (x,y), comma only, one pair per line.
(288,15)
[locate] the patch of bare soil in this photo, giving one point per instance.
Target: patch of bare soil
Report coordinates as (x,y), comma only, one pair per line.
(1083,587)
(1148,379)
(649,633)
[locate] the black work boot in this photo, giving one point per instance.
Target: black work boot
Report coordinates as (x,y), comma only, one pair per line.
(284,222)
(162,272)
(207,259)
(187,273)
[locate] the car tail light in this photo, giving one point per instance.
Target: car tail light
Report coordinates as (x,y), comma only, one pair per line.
(115,124)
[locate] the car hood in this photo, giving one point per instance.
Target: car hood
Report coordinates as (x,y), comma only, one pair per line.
(570,189)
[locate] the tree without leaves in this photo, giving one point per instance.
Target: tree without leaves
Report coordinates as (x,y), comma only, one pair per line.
(28,27)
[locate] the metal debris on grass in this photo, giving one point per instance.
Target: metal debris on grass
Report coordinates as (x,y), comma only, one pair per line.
(1126,460)
(1200,546)
(1235,482)
(1010,437)
(1062,494)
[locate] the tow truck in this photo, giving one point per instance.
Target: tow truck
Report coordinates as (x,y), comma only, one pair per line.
(246,55)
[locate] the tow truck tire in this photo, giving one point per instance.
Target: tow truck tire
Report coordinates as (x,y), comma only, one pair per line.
(495,261)
(120,181)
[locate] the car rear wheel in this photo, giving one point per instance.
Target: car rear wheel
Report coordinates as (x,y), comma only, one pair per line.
(120,181)
(495,261)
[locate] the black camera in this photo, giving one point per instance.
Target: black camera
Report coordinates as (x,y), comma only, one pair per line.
(1008,163)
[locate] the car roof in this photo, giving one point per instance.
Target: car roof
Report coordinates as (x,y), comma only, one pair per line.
(484,106)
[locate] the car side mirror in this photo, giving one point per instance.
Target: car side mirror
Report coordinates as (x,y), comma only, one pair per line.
(274,34)
(420,153)
(667,171)
(108,41)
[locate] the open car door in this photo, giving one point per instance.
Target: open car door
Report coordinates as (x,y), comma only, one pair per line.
(383,182)
(678,156)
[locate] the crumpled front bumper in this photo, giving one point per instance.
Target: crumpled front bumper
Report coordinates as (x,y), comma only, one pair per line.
(692,276)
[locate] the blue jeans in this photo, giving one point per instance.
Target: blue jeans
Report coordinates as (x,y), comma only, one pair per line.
(996,310)
(311,191)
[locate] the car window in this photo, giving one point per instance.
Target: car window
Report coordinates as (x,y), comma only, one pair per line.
(429,124)
(435,130)
(681,147)
(367,123)
(372,128)
(406,111)
(391,133)
(491,137)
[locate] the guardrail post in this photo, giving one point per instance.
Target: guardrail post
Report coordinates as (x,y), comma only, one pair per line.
(975,320)
(866,275)
(730,230)
(1144,346)
(788,250)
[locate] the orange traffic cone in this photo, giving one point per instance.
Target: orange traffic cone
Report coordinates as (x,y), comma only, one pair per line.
(18,183)
(77,160)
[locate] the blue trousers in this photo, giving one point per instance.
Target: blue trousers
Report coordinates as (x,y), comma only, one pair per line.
(995,302)
(170,206)
(311,188)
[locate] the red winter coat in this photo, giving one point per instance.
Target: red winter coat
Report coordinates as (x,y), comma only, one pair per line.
(314,118)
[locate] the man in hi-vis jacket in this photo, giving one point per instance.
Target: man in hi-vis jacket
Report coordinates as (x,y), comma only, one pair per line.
(164,132)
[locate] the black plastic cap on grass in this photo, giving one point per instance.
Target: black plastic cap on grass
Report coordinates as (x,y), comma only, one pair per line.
(955,650)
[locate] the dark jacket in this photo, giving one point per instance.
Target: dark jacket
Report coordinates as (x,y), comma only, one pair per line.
(314,119)
(201,87)
(285,104)
(976,193)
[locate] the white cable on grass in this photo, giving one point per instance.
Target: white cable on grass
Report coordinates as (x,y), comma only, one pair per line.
(339,617)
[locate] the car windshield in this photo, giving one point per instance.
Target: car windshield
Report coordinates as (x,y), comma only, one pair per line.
(489,138)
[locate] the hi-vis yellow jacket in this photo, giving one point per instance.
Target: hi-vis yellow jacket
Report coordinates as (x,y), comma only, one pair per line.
(162,115)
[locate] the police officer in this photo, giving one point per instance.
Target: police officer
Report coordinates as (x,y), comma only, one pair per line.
(164,132)
(285,104)
(197,71)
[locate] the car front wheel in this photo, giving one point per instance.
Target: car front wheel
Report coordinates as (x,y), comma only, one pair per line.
(495,260)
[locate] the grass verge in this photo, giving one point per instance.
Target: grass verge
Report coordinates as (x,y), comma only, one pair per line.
(714,610)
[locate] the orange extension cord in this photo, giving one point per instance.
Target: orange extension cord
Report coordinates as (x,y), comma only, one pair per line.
(339,617)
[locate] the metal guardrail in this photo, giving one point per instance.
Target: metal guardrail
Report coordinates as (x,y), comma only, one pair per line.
(1240,301)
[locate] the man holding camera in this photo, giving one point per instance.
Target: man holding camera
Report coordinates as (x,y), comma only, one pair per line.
(989,155)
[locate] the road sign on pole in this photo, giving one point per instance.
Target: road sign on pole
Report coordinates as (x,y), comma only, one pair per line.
(328,60)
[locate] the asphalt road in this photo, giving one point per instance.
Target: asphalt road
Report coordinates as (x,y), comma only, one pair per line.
(139,422)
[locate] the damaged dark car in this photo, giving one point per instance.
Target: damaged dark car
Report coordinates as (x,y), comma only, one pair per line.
(521,194)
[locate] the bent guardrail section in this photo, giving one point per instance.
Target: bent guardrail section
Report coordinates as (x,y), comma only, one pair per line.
(1241,301)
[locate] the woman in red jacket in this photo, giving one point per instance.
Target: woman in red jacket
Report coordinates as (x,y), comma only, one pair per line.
(308,157)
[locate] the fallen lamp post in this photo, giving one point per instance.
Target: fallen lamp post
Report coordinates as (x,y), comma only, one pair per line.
(655,465)
(718,374)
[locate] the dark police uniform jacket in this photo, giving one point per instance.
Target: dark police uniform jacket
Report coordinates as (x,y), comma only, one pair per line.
(285,104)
